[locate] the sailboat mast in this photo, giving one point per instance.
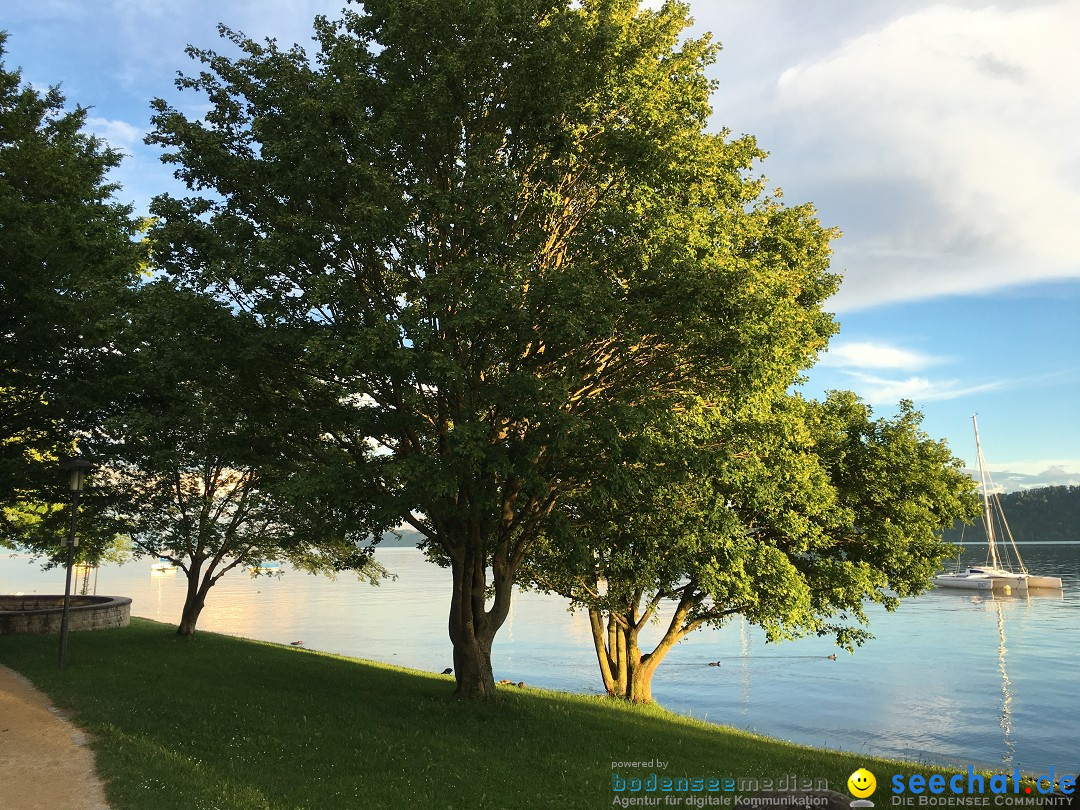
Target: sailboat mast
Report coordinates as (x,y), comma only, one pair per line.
(984,482)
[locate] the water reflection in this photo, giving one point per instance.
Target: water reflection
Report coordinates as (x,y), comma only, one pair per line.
(85,579)
(744,666)
(1006,696)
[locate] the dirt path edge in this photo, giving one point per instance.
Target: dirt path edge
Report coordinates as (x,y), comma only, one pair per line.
(45,760)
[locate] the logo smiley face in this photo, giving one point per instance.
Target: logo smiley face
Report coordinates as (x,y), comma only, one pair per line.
(861,783)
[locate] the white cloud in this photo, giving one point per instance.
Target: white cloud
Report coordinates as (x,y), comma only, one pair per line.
(120,134)
(949,136)
(880,390)
(1013,475)
(857,360)
(875,355)
(1037,467)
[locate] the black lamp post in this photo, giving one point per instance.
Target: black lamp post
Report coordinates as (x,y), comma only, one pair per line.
(78,467)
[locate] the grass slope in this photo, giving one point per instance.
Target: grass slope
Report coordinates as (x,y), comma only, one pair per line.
(220,722)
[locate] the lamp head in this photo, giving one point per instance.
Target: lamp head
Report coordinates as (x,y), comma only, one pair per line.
(79,467)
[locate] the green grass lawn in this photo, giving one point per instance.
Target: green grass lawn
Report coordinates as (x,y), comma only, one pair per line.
(218,722)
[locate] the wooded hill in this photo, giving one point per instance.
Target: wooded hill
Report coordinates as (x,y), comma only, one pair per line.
(1046,513)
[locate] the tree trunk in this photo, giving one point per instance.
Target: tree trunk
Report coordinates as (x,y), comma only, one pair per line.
(199,583)
(612,664)
(472,627)
(639,685)
(472,668)
(190,616)
(627,673)
(195,599)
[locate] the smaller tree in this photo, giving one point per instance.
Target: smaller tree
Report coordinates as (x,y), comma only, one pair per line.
(793,515)
(214,460)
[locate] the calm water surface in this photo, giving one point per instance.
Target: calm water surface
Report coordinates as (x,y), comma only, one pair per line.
(951,677)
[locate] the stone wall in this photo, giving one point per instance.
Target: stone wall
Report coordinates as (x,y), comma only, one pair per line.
(33,613)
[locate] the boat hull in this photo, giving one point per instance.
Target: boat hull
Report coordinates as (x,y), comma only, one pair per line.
(994,579)
(1044,582)
(965,583)
(983,579)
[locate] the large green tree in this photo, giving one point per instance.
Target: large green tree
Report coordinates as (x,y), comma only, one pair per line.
(791,513)
(504,226)
(68,250)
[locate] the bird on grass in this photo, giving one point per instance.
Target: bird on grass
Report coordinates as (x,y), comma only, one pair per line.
(447,671)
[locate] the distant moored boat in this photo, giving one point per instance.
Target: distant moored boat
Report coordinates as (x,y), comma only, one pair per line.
(998,572)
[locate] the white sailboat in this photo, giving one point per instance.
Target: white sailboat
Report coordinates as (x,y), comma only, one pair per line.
(163,566)
(999,572)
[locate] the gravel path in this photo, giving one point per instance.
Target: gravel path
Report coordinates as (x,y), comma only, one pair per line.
(44,759)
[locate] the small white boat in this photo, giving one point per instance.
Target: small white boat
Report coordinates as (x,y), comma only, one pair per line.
(982,578)
(265,568)
(998,573)
(162,566)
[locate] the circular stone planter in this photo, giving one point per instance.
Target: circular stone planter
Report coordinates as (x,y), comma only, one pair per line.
(31,613)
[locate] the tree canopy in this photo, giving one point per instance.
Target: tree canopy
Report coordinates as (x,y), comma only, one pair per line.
(196,415)
(505,226)
(67,252)
(506,230)
(791,513)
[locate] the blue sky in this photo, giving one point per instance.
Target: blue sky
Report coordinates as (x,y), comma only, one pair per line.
(940,137)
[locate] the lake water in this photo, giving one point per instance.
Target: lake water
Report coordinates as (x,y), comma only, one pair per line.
(951,677)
